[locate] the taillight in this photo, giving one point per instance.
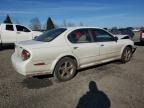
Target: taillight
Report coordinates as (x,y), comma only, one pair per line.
(25,54)
(142,34)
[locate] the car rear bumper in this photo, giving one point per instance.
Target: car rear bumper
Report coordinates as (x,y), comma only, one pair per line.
(18,65)
(27,69)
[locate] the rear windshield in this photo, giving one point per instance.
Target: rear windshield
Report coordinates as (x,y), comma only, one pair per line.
(50,35)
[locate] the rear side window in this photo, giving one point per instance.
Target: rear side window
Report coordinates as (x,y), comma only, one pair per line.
(22,28)
(9,27)
(79,36)
(101,35)
(50,35)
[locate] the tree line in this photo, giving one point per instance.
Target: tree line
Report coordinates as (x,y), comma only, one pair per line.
(36,25)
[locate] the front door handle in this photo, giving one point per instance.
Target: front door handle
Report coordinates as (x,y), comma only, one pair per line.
(75,47)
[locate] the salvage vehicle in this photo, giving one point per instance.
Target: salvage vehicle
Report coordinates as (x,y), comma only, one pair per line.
(142,36)
(62,51)
(10,33)
(123,31)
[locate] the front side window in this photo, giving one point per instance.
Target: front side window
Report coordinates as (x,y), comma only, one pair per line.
(79,36)
(22,28)
(101,35)
(9,27)
(50,35)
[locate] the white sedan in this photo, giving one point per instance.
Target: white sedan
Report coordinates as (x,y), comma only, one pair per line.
(62,51)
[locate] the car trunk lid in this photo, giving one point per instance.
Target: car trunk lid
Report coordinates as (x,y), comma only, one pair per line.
(27,45)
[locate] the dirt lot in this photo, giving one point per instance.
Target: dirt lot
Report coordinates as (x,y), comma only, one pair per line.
(112,85)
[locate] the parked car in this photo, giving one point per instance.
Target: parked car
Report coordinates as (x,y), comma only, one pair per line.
(142,36)
(126,31)
(10,33)
(64,50)
(123,31)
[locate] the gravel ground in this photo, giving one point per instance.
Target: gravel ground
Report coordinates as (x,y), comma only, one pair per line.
(112,85)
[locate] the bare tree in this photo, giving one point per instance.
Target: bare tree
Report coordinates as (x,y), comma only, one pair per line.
(81,24)
(44,26)
(64,23)
(70,24)
(35,24)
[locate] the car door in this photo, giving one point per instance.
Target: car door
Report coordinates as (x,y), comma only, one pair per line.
(23,33)
(109,47)
(83,47)
(8,34)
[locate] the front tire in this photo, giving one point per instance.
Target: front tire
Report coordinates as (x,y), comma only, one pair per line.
(142,42)
(126,55)
(65,69)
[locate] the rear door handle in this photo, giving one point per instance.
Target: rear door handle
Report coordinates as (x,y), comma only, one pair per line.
(18,32)
(75,47)
(102,44)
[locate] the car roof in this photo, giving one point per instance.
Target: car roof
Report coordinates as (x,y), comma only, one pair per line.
(72,28)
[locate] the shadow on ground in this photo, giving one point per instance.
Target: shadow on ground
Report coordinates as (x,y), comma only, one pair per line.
(42,81)
(36,82)
(139,43)
(100,65)
(94,98)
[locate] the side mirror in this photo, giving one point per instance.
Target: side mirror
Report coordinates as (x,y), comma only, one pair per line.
(115,38)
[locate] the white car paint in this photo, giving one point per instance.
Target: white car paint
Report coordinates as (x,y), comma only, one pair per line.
(49,53)
(121,36)
(12,36)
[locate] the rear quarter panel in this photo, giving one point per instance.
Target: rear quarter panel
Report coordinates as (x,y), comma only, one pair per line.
(50,56)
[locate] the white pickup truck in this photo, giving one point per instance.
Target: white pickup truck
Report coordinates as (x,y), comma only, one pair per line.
(11,33)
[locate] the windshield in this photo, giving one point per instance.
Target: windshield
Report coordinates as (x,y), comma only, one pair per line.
(50,35)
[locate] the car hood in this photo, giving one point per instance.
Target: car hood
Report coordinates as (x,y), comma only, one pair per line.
(122,36)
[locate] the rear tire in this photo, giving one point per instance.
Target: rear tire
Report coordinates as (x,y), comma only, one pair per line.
(65,69)
(126,55)
(0,46)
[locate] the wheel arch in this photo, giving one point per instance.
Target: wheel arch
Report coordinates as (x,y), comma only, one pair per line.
(130,46)
(61,57)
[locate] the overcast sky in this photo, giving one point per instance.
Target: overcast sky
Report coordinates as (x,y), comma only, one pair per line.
(101,13)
